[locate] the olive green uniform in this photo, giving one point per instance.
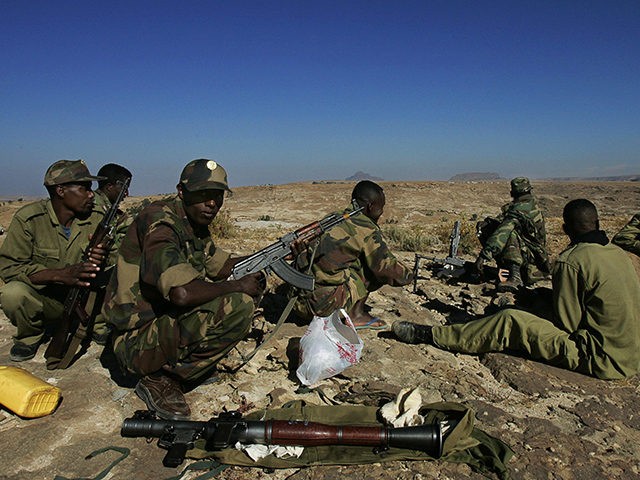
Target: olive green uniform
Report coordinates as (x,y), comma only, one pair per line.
(596,324)
(629,236)
(36,241)
(161,250)
(351,260)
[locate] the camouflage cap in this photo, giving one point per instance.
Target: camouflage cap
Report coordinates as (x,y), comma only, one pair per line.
(69,171)
(520,185)
(203,174)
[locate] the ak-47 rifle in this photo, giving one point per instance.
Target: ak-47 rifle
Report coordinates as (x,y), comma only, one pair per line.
(178,436)
(75,324)
(450,264)
(272,258)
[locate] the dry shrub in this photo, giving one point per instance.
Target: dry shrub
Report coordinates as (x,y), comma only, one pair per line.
(223,226)
(408,239)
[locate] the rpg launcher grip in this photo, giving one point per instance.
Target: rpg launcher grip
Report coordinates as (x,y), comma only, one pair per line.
(178,436)
(75,322)
(272,258)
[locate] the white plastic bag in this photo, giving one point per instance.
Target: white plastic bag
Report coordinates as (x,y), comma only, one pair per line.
(328,347)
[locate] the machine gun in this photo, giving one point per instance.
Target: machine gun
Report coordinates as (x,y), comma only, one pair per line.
(272,258)
(451,264)
(178,436)
(76,322)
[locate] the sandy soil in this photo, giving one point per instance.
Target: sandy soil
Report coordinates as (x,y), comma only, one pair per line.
(561,425)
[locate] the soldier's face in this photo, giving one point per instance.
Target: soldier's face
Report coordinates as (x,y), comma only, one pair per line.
(77,197)
(202,206)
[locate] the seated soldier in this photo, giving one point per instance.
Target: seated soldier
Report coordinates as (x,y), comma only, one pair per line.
(41,258)
(516,240)
(595,327)
(108,191)
(174,313)
(350,261)
(628,237)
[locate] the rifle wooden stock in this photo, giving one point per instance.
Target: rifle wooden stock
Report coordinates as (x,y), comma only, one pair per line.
(75,321)
(177,436)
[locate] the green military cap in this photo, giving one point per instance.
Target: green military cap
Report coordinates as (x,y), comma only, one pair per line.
(520,185)
(203,174)
(69,171)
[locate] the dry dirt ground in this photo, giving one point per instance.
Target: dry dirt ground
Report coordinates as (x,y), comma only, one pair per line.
(561,425)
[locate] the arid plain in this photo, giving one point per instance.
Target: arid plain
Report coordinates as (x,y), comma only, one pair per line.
(561,425)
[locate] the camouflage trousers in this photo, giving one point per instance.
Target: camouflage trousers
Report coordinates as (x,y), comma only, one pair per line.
(516,252)
(520,331)
(187,346)
(31,310)
(325,299)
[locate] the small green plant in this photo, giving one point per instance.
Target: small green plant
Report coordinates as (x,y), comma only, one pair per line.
(265,218)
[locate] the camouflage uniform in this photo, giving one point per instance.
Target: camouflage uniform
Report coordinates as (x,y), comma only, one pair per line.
(103,204)
(629,236)
(351,260)
(596,323)
(161,250)
(520,236)
(36,241)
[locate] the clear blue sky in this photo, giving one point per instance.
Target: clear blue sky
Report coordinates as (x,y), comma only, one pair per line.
(283,91)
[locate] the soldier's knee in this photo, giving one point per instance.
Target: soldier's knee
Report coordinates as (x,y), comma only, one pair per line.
(13,295)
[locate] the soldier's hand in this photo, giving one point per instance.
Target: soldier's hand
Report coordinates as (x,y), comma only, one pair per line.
(253,284)
(98,254)
(78,274)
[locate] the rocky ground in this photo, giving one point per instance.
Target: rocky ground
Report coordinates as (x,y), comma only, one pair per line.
(561,425)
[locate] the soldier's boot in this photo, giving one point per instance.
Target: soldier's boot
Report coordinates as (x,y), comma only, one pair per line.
(410,332)
(514,282)
(163,395)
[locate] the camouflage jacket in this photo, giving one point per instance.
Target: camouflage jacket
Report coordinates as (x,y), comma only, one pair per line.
(596,298)
(160,251)
(525,217)
(123,220)
(629,236)
(357,243)
(35,241)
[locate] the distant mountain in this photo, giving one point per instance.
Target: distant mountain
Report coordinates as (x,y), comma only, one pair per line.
(475,177)
(363,176)
(616,178)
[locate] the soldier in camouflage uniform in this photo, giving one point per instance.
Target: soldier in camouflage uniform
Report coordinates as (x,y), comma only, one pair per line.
(40,259)
(595,326)
(629,236)
(351,260)
(518,243)
(107,192)
(174,313)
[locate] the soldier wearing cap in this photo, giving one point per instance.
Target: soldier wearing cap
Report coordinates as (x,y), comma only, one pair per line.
(516,240)
(41,258)
(174,313)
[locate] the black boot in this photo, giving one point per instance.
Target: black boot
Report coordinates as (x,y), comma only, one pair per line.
(514,282)
(410,332)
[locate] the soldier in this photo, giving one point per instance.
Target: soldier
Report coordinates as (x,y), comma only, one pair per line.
(629,236)
(109,188)
(173,311)
(352,260)
(595,328)
(518,242)
(40,259)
